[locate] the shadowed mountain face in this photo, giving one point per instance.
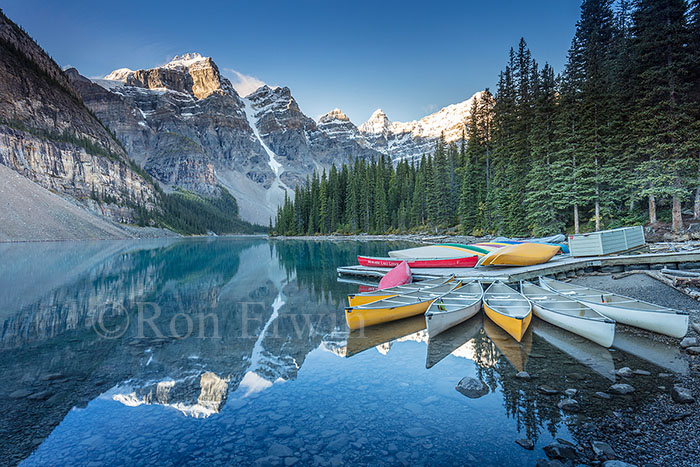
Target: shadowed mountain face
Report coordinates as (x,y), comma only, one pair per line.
(49,136)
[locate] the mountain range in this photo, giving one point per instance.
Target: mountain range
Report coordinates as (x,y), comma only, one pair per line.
(185,124)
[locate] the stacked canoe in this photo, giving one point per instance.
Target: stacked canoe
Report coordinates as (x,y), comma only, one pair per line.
(455,255)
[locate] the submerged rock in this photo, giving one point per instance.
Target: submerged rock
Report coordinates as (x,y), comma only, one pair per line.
(549,463)
(279,450)
(417,432)
(642,372)
(19,394)
(41,395)
(689,342)
(602,449)
(696,327)
(547,390)
(559,451)
(284,431)
(523,375)
(472,387)
(682,395)
(571,392)
(676,417)
(569,405)
(625,372)
(526,443)
(618,464)
(693,350)
(602,395)
(621,389)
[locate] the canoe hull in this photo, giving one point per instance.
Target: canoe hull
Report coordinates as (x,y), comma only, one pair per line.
(460,262)
(359,318)
(400,275)
(520,254)
(439,322)
(516,327)
(600,332)
(660,320)
(669,324)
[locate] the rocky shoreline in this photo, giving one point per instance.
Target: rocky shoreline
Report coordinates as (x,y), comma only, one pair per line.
(663,430)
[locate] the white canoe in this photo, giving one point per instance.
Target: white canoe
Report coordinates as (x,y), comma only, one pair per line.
(454,308)
(568,314)
(623,309)
(429,251)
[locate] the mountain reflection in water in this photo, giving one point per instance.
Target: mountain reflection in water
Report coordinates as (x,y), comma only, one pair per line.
(235,350)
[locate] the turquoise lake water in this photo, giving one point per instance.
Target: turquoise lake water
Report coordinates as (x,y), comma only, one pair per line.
(235,351)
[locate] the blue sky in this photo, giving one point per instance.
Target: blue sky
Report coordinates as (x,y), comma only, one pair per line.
(409,58)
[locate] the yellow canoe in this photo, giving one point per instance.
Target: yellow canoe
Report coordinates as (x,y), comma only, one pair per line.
(396,307)
(508,309)
(516,353)
(374,295)
(520,254)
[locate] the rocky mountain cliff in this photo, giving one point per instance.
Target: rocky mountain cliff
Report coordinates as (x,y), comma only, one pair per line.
(49,136)
(410,140)
(186,125)
(189,128)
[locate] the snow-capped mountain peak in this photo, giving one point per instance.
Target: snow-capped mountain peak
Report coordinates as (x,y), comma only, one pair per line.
(335,114)
(185,60)
(378,123)
(119,74)
(409,140)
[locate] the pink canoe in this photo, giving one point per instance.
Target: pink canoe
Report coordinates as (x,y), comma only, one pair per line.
(400,275)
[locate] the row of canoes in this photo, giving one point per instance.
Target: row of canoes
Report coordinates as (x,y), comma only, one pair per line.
(595,357)
(455,255)
(581,310)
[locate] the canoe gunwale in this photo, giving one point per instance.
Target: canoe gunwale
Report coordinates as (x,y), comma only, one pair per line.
(435,296)
(496,310)
(603,319)
(661,309)
(517,297)
(600,317)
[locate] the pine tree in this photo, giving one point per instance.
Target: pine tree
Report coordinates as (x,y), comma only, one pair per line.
(662,112)
(541,198)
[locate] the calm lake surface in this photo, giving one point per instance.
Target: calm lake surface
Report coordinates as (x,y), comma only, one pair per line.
(235,351)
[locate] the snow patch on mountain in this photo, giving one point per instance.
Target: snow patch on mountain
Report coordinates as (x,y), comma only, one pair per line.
(252,121)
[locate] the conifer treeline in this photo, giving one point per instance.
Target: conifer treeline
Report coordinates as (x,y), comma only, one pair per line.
(610,141)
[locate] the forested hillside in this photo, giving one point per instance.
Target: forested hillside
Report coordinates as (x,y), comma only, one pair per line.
(613,139)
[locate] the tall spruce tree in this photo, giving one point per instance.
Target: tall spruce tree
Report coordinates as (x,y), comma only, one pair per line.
(662,116)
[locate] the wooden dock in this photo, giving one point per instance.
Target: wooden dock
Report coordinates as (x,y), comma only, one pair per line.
(560,267)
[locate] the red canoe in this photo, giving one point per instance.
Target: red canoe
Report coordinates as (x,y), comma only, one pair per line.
(461,262)
(400,275)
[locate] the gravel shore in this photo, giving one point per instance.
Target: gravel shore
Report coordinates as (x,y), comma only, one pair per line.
(661,432)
